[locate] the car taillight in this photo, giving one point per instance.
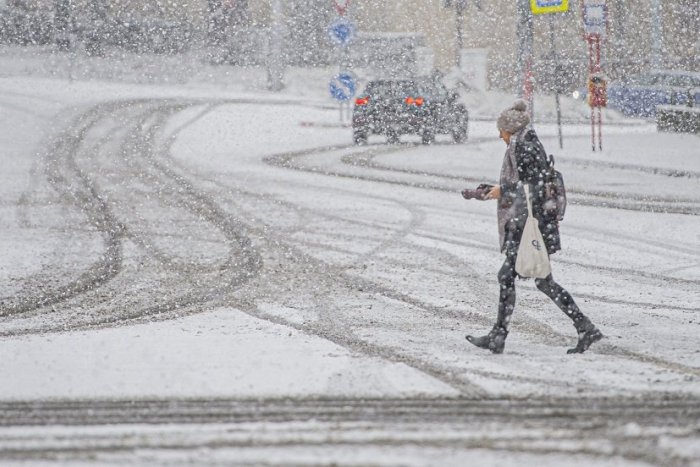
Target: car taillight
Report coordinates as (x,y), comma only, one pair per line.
(414,101)
(361,101)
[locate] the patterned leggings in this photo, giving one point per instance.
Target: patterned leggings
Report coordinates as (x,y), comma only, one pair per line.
(506,302)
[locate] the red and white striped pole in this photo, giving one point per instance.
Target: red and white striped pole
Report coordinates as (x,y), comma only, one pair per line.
(341,6)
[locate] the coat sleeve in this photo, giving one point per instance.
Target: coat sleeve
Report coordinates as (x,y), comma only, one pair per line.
(509,191)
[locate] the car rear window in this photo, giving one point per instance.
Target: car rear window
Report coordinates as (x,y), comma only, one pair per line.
(390,88)
(662,79)
(681,81)
(644,80)
(401,89)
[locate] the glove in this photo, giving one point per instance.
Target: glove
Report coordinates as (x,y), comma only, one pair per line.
(479,192)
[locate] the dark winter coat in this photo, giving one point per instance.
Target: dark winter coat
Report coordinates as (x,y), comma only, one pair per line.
(525,162)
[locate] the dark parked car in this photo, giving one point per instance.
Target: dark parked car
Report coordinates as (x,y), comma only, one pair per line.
(638,95)
(422,106)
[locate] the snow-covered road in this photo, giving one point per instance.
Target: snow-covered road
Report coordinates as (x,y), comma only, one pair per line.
(183,268)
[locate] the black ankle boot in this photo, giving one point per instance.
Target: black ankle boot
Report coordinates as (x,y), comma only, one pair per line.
(494,341)
(587,335)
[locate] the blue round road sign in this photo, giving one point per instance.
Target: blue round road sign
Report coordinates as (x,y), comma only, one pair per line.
(342,86)
(341,31)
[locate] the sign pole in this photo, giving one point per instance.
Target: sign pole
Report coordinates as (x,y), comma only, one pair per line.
(460,6)
(540,7)
(525,43)
(595,100)
(656,34)
(557,85)
(342,32)
(594,72)
(341,6)
(275,65)
(590,72)
(342,88)
(595,29)
(600,109)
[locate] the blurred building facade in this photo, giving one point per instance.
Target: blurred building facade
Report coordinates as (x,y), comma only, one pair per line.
(488,26)
(492,26)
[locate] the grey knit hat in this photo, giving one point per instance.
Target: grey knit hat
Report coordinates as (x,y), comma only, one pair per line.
(514,118)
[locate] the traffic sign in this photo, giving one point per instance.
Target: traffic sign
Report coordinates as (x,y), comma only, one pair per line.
(341,31)
(540,7)
(341,6)
(342,86)
(595,18)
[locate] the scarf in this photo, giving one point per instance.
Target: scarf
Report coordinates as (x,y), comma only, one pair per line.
(507,207)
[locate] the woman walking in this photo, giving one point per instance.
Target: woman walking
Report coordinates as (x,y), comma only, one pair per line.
(525,163)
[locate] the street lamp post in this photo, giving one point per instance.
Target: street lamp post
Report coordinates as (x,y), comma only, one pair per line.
(275,65)
(63,18)
(656,34)
(525,52)
(459,6)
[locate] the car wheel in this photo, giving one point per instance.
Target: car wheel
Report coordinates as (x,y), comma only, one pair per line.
(392,137)
(428,136)
(459,135)
(460,131)
(359,136)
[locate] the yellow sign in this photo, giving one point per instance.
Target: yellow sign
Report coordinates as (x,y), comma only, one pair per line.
(540,7)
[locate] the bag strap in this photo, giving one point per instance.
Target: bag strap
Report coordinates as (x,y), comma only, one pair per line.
(526,187)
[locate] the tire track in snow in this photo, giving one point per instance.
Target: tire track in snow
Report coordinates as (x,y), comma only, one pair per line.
(358,344)
(331,326)
(79,191)
(359,159)
(645,429)
(340,332)
(288,160)
(536,326)
(595,198)
(365,158)
(89,198)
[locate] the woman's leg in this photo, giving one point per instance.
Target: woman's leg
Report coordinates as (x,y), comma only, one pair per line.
(495,340)
(587,332)
(561,298)
(506,298)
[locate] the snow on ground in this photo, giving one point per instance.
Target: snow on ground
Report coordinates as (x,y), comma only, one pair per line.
(218,353)
(411,270)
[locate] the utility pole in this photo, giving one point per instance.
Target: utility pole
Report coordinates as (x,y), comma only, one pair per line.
(525,52)
(460,6)
(96,11)
(275,60)
(63,21)
(558,85)
(657,26)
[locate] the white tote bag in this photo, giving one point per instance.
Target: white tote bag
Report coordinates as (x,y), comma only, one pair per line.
(533,259)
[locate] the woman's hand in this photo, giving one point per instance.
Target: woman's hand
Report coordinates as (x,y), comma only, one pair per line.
(494,193)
